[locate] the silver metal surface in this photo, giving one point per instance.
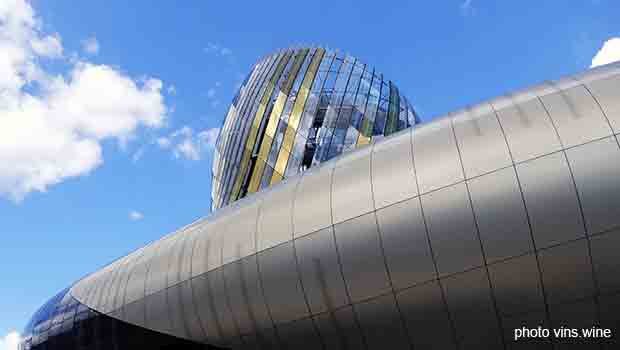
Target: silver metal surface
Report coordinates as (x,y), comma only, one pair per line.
(481,143)
(393,177)
(351,186)
(537,196)
(275,224)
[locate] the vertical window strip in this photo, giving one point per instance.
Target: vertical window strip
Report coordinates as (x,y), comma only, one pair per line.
(249,145)
(251,109)
(244,119)
(272,121)
(391,125)
(295,117)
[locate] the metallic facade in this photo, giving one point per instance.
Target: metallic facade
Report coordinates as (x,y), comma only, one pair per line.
(447,235)
(298,108)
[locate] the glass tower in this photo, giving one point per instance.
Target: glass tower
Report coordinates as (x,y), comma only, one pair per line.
(297,108)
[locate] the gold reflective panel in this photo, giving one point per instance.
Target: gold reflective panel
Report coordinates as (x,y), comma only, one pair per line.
(298,108)
(251,140)
(272,123)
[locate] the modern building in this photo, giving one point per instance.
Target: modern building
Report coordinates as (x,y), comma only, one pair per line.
(298,108)
(446,235)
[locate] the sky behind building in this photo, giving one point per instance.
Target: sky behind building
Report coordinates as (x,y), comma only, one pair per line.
(109,109)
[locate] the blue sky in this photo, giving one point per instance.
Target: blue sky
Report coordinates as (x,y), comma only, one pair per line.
(110,108)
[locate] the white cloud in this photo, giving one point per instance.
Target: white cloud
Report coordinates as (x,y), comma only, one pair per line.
(187,149)
(172,90)
(187,144)
(91,46)
(163,142)
(136,215)
(10,341)
(209,136)
(610,52)
(52,125)
(225,51)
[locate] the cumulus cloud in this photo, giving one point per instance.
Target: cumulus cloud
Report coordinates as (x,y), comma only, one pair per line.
(188,144)
(10,341)
(610,52)
(52,125)
(136,215)
(90,46)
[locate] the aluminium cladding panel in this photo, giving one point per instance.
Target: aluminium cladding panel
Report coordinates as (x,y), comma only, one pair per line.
(205,308)
(576,115)
(200,249)
(405,242)
(250,298)
(281,283)
(299,335)
(187,255)
(117,285)
(222,307)
(452,229)
(320,271)
(175,256)
(106,303)
(426,316)
(605,260)
(381,323)
(340,329)
(500,214)
(351,186)
(157,315)
(393,176)
(177,312)
(517,295)
(158,267)
(596,169)
(239,238)
(436,157)
(312,207)
(551,200)
(480,140)
(238,294)
(275,219)
(471,307)
(567,272)
(361,255)
(119,297)
(80,289)
(527,126)
(207,248)
(136,284)
(605,91)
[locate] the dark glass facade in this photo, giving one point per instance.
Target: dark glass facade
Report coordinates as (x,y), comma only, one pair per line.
(297,108)
(64,323)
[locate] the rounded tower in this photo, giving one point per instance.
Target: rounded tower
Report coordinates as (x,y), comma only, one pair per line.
(297,108)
